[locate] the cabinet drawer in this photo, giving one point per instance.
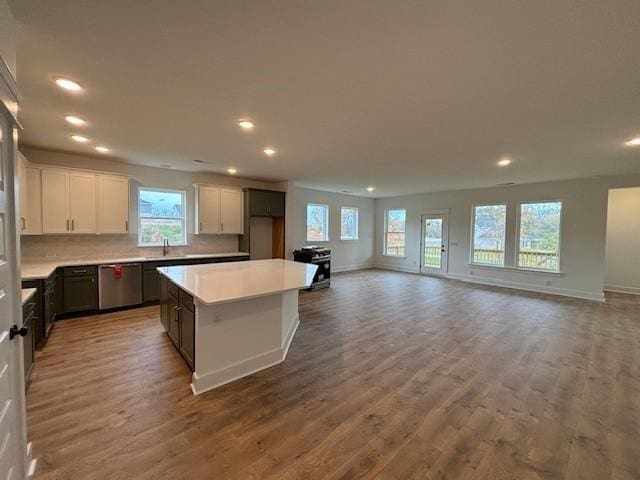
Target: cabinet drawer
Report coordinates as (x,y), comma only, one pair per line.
(77,271)
(173,290)
(186,300)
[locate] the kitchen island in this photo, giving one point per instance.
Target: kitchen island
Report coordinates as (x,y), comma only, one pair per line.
(231,320)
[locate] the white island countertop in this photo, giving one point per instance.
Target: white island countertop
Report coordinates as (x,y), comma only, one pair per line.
(228,282)
(32,270)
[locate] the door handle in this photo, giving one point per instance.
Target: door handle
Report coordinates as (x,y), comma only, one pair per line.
(15,331)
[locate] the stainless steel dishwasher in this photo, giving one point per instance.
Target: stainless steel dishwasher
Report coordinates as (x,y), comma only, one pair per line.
(119,285)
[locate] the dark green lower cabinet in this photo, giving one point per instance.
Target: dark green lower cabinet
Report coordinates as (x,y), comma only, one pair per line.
(150,285)
(28,341)
(80,289)
(177,315)
(187,320)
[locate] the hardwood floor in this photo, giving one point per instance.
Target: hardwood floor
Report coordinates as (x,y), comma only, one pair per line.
(390,376)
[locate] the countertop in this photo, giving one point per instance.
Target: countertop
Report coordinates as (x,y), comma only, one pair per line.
(39,270)
(27,293)
(227,282)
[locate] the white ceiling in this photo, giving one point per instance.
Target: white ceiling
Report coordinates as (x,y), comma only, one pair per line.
(408,96)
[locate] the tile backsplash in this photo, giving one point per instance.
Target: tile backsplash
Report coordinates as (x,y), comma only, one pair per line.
(64,247)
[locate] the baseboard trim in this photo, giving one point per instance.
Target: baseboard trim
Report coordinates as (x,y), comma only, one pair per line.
(236,371)
(622,289)
(528,287)
(395,268)
(351,268)
(564,292)
(289,337)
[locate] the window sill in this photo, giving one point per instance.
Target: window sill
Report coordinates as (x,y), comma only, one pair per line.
(160,245)
(394,256)
(516,269)
(350,240)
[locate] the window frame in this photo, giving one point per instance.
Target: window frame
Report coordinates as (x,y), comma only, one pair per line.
(326,218)
(386,233)
(517,239)
(183,193)
(473,234)
(357,225)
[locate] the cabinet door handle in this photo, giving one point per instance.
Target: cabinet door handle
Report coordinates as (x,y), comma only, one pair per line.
(67,224)
(72,225)
(222,227)
(23,223)
(200,229)
(126,225)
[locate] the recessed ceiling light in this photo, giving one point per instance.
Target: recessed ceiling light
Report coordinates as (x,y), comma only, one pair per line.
(245,123)
(269,151)
(504,162)
(79,138)
(232,171)
(68,84)
(165,165)
(199,161)
(103,149)
(370,189)
(634,142)
(73,120)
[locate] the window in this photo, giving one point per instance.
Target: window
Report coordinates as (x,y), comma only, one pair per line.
(394,232)
(348,223)
(161,215)
(317,223)
(489,226)
(539,232)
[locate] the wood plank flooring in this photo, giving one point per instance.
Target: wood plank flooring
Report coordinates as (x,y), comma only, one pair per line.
(390,376)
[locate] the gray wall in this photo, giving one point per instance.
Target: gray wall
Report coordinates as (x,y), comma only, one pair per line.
(345,255)
(622,260)
(91,246)
(583,233)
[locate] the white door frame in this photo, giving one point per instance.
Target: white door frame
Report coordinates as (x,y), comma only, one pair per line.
(444,214)
(15,461)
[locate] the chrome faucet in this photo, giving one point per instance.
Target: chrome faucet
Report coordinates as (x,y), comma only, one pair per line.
(165,247)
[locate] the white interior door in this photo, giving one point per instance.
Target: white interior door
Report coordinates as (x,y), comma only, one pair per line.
(435,244)
(12,412)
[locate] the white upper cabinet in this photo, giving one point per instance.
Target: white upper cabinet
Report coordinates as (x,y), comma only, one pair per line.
(82,202)
(55,202)
(68,202)
(231,218)
(30,199)
(22,193)
(113,204)
(33,208)
(207,209)
(219,210)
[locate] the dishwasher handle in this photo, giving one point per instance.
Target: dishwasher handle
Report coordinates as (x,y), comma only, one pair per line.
(121,265)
